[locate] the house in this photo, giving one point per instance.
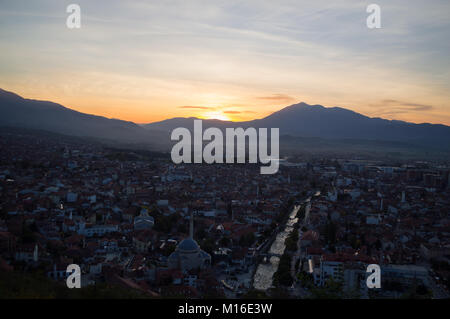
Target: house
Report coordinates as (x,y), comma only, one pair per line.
(142,241)
(238,257)
(58,271)
(27,252)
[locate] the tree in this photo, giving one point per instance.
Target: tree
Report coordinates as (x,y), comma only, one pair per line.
(331,290)
(254,294)
(330,232)
(247,239)
(306,280)
(208,245)
(283,275)
(291,241)
(224,241)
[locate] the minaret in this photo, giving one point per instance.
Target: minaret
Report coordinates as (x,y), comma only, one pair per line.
(35,253)
(191,226)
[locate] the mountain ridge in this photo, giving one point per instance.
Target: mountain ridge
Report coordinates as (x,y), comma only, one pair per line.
(304,120)
(16,111)
(297,120)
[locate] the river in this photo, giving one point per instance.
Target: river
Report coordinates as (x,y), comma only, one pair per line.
(264,273)
(263,277)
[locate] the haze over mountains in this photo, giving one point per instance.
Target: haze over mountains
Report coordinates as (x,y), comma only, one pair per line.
(298,121)
(304,120)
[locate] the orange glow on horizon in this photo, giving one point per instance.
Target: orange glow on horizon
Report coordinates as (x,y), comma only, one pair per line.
(216,115)
(241,108)
(145,63)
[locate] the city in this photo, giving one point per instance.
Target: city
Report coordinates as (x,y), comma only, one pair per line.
(134,219)
(224,158)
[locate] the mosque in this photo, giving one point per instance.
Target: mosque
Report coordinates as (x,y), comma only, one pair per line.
(188,254)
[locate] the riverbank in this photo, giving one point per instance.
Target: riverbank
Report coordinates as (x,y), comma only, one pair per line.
(263,277)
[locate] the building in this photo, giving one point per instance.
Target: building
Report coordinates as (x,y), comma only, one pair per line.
(28,253)
(143,221)
(405,273)
(188,254)
(331,269)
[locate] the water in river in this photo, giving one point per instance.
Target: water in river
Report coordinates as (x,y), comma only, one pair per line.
(264,273)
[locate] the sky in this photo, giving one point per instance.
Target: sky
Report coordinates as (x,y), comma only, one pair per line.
(146,61)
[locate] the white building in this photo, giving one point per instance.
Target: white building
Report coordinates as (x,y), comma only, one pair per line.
(143,221)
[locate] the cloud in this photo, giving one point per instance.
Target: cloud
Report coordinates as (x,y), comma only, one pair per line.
(200,107)
(407,106)
(196,107)
(277,97)
(232,112)
(393,107)
(236,52)
(237,112)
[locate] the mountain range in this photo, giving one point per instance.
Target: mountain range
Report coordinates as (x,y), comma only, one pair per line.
(19,112)
(304,120)
(296,122)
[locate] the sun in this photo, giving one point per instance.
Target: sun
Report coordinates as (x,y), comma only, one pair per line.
(217,115)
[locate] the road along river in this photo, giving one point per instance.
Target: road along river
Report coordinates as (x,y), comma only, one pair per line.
(264,273)
(263,277)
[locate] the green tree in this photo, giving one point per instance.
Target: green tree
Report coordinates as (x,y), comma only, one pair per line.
(331,290)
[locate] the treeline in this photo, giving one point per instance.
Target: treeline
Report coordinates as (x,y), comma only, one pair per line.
(291,240)
(282,276)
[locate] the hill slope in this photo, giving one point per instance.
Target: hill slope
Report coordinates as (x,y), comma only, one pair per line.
(16,111)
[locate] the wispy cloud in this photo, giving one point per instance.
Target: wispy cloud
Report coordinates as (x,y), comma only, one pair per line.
(238,112)
(206,55)
(196,107)
(391,107)
(232,112)
(277,97)
(407,106)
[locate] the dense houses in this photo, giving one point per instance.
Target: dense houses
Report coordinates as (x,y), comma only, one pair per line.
(369,213)
(134,219)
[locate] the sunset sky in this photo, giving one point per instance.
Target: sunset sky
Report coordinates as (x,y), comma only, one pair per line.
(146,61)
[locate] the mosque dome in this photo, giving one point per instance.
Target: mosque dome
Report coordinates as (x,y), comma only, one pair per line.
(188,254)
(188,245)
